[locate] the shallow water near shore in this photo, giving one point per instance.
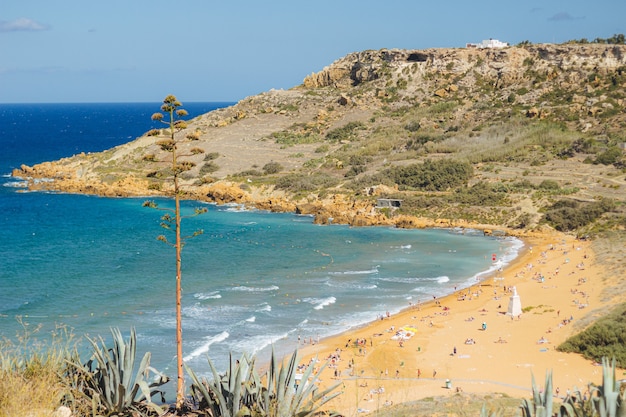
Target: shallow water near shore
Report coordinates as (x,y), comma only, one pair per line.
(253,280)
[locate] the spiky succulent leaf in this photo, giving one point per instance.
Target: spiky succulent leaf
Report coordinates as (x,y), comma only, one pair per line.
(110,380)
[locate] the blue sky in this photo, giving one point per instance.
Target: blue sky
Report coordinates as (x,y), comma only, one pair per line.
(204,50)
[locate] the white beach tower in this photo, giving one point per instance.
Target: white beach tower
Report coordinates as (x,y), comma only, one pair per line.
(515,305)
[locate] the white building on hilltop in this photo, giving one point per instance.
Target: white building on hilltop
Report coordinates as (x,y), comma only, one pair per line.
(489,43)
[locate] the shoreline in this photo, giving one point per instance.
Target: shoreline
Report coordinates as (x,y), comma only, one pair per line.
(515,248)
(558,283)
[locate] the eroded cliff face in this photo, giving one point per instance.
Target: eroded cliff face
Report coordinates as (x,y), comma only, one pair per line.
(570,84)
(506,66)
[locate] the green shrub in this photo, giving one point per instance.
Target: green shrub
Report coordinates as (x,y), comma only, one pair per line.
(272,168)
(208,168)
(303,182)
(347,132)
(211,156)
(523,185)
(549,185)
(432,175)
(355,170)
(296,135)
(480,194)
(418,140)
(249,173)
(569,215)
(359,159)
(609,157)
(412,203)
(413,126)
(605,338)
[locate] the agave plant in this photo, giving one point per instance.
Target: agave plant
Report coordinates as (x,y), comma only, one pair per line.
(279,392)
(286,395)
(541,404)
(608,400)
(229,394)
(577,404)
(110,381)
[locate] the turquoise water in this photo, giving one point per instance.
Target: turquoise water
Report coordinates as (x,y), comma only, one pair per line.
(253,280)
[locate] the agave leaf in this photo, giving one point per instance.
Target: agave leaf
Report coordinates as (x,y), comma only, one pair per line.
(216,389)
(145,389)
(567,410)
(541,404)
(141,371)
(547,393)
(109,377)
(214,392)
(199,387)
(527,407)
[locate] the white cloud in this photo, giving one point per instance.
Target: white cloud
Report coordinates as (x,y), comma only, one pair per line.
(21,24)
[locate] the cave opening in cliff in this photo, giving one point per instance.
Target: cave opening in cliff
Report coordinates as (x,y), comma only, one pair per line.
(417,57)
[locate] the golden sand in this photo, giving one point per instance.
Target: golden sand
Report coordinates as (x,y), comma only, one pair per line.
(557,282)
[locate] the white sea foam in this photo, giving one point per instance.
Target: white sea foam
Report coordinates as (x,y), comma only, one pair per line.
(355,285)
(264,307)
(208,296)
(400,280)
(254,344)
(16,184)
(320,303)
(235,208)
(204,348)
(254,289)
(363,272)
(200,311)
(513,246)
(251,319)
(408,246)
(410,280)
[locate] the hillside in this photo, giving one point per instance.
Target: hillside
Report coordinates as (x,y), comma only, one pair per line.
(513,138)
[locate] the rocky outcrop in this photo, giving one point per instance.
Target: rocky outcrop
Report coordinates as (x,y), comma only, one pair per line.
(507,65)
(224,193)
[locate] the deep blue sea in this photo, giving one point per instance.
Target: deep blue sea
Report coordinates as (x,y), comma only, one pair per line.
(253,280)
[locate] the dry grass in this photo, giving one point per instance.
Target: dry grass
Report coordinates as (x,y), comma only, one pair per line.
(31,383)
(34,395)
(460,404)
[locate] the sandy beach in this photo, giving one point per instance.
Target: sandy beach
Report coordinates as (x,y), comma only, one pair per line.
(467,342)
